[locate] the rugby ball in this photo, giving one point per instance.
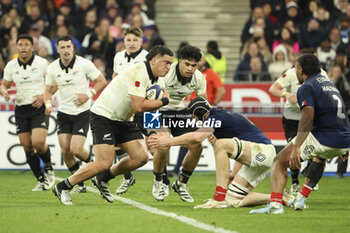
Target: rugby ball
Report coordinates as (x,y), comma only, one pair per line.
(154,92)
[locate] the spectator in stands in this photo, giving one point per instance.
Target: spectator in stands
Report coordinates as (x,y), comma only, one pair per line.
(248,29)
(43,41)
(311,34)
(264,49)
(280,62)
(255,72)
(344,27)
(323,18)
(61,21)
(341,60)
(152,34)
(60,32)
(17,20)
(136,21)
(216,60)
(102,44)
(325,54)
(311,9)
(294,13)
(31,18)
(86,30)
(100,65)
(112,13)
(267,8)
(336,44)
(83,8)
(49,12)
(148,7)
(6,23)
(289,41)
(115,29)
(136,10)
(340,8)
(7,5)
(244,65)
(70,18)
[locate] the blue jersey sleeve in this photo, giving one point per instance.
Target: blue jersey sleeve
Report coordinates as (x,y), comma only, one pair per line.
(306,96)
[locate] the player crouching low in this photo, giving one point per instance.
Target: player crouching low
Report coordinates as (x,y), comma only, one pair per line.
(233,137)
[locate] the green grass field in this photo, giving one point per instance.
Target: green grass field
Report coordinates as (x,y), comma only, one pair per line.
(22,210)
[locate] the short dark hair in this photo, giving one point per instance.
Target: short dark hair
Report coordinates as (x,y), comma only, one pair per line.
(190,52)
(213,45)
(159,50)
(309,63)
(306,51)
(25,36)
(64,38)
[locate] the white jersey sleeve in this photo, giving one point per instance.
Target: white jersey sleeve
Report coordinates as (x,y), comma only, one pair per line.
(91,71)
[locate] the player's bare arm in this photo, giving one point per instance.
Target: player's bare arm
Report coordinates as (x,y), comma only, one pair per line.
(184,140)
(140,104)
(49,91)
(100,83)
(305,125)
(4,89)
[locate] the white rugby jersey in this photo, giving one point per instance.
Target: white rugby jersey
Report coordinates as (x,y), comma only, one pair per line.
(178,90)
(72,80)
(114,102)
(290,83)
(29,78)
(122,60)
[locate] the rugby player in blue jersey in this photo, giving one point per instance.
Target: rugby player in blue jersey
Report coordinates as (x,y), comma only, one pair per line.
(323,133)
(233,136)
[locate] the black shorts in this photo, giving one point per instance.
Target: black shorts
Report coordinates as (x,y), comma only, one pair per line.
(138,119)
(28,118)
(175,117)
(106,131)
(290,128)
(73,124)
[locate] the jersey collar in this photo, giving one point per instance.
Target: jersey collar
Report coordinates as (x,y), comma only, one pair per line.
(150,74)
(30,61)
(133,55)
(181,79)
(70,65)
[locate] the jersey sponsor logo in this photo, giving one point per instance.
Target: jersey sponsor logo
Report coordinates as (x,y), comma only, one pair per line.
(151,120)
(107,137)
(34,69)
(75,72)
(43,124)
(25,77)
(58,76)
(68,80)
(181,93)
(303,103)
(260,157)
(137,84)
(81,130)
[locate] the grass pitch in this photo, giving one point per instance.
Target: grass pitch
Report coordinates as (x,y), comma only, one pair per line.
(22,210)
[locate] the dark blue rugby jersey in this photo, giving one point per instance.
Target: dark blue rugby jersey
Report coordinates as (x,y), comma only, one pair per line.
(331,124)
(236,125)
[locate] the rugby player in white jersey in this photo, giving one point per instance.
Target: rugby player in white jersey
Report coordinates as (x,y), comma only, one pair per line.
(28,73)
(132,54)
(182,79)
(72,74)
(111,124)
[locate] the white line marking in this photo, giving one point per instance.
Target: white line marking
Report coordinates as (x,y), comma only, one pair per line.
(153,210)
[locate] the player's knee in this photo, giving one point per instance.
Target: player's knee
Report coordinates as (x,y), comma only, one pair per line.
(196,148)
(76,149)
(143,159)
(39,146)
(235,194)
(103,165)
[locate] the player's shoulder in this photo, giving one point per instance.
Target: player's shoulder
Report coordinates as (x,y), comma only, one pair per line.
(54,64)
(40,59)
(12,63)
(120,54)
(81,60)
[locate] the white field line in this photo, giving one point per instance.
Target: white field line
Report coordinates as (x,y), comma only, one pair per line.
(153,210)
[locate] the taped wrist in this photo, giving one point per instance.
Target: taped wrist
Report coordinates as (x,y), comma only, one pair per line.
(165,101)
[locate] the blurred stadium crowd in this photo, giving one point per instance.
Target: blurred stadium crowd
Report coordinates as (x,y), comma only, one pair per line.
(96,26)
(271,38)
